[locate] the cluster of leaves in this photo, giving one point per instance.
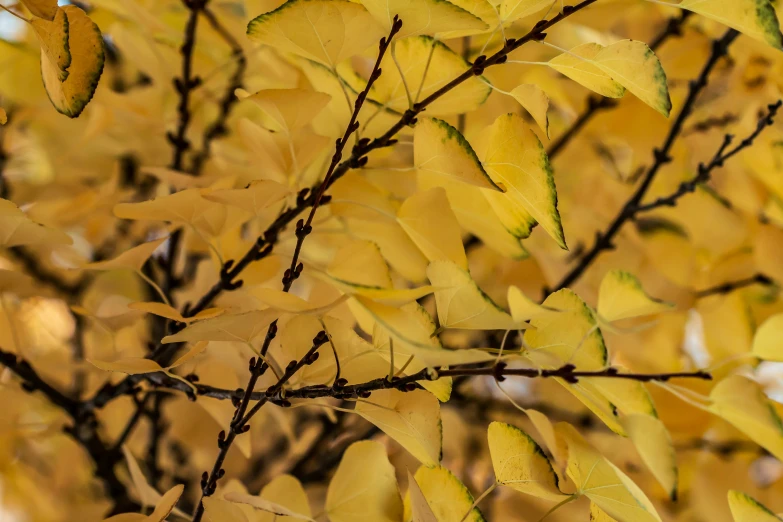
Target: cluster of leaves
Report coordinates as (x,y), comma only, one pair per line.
(300,245)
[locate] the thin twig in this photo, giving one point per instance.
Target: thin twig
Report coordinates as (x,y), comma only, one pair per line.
(242,415)
(604,240)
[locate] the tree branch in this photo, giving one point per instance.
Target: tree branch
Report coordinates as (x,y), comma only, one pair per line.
(218,127)
(728,287)
(721,156)
(604,241)
(242,416)
(84,430)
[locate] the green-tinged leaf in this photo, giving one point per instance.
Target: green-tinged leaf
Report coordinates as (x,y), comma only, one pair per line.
(515,159)
(85,44)
(578,65)
(439,148)
(634,65)
(462,304)
(621,296)
(742,402)
(445,495)
(520,464)
(603,483)
(745,508)
(46,9)
(755,18)
(326,31)
(53,37)
(423,16)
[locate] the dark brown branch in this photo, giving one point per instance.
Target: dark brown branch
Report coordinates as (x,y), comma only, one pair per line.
(242,415)
(731,286)
(721,156)
(263,247)
(185,84)
(605,240)
(230,273)
(410,382)
(84,430)
(239,424)
(218,127)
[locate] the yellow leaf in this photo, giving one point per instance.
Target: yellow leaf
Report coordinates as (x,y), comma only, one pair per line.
(599,515)
(46,9)
(364,486)
(85,43)
(132,259)
(147,494)
(256,198)
(166,504)
(511,10)
(53,37)
(741,402)
(287,491)
(747,509)
(128,365)
(187,207)
(523,308)
(535,101)
(415,56)
(578,65)
(416,503)
(195,350)
(755,18)
(768,340)
(164,310)
(570,336)
(515,159)
(360,263)
(410,418)
(437,489)
(289,110)
(244,327)
(278,511)
(475,214)
(413,332)
(439,148)
(429,221)
(325,31)
(655,447)
(603,483)
(423,16)
(17,229)
(520,464)
(216,510)
(634,66)
(3,116)
(621,296)
(462,304)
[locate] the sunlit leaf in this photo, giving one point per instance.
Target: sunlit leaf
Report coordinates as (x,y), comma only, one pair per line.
(364,486)
(412,419)
(321,30)
(520,464)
